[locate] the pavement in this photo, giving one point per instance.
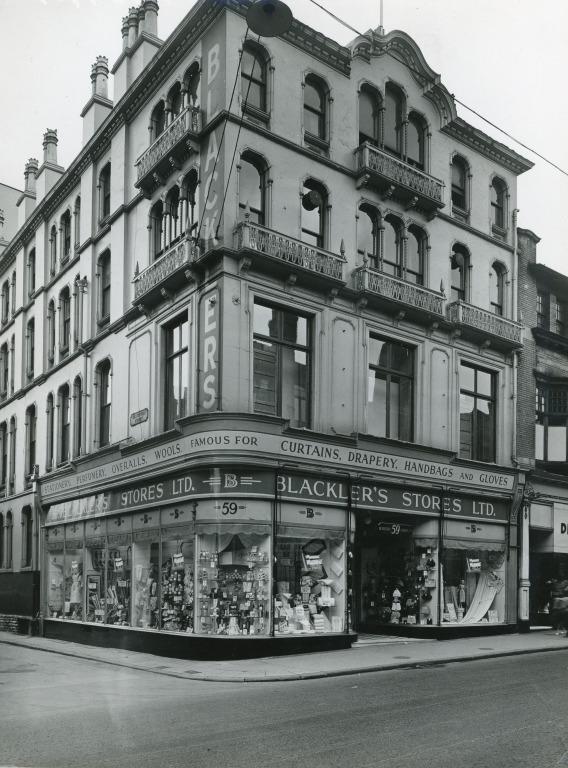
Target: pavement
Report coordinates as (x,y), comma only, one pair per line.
(372,653)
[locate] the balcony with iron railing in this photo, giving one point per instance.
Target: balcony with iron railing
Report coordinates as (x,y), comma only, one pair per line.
(172,147)
(397,296)
(274,253)
(167,273)
(484,327)
(392,177)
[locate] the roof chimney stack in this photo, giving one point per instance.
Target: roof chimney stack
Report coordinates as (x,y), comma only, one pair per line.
(30,173)
(50,146)
(124,32)
(150,17)
(49,171)
(99,77)
(132,26)
(27,200)
(140,44)
(99,105)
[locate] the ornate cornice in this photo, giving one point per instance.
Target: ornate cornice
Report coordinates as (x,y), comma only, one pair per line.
(475,139)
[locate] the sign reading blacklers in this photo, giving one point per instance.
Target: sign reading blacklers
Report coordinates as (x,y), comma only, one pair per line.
(209,483)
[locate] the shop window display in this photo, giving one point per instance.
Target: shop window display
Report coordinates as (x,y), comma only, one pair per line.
(177,580)
(145,575)
(310,581)
(473,582)
(398,576)
(118,579)
(55,557)
(233,580)
(73,572)
(95,547)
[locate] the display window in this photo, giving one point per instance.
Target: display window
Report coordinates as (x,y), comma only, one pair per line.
(73,572)
(177,580)
(118,576)
(398,571)
(233,576)
(95,556)
(473,583)
(310,580)
(55,565)
(145,578)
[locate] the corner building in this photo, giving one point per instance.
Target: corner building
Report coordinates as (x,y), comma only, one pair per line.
(271,395)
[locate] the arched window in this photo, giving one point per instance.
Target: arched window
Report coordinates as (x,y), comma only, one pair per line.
(394,104)
(177,370)
(496,288)
(415,141)
(172,216)
(51,332)
(104,278)
(175,101)
(30,349)
(191,82)
(12,361)
(27,537)
(12,460)
(368,234)
(415,255)
(3,457)
(77,417)
(459,263)
(156,229)
(31,425)
(50,428)
(498,199)
(103,383)
(64,321)
(253,78)
(77,223)
(314,204)
(189,207)
(459,184)
(369,110)
(252,187)
(315,98)
(392,246)
(157,121)
(5,301)
(13,290)
(104,193)
(4,370)
(2,536)
(65,236)
(9,540)
(31,272)
(52,250)
(64,405)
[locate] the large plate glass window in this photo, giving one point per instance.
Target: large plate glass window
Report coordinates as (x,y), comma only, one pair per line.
(390,389)
(477,413)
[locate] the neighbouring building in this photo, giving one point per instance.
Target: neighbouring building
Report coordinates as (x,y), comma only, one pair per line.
(268,329)
(543,431)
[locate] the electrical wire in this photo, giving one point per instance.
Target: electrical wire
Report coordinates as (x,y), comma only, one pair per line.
(432,81)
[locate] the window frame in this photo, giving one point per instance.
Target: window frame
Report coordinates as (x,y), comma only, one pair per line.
(77,417)
(260,81)
(104,186)
(4,370)
(375,99)
(398,98)
(419,123)
(390,373)
(27,536)
(545,389)
(104,266)
(64,321)
(476,395)
(65,236)
(104,405)
(498,306)
(170,360)
(313,185)
(461,293)
(459,194)
(31,441)
(279,343)
(498,200)
(30,349)
(371,213)
(49,431)
(64,424)
(321,114)
(257,215)
(31,272)
(543,309)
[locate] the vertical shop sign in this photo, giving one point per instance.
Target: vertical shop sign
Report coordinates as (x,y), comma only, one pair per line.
(212,162)
(560,543)
(209,351)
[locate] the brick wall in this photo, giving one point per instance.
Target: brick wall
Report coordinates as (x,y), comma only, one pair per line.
(17,625)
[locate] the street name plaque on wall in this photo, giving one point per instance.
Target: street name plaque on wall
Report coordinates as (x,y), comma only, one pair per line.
(139,417)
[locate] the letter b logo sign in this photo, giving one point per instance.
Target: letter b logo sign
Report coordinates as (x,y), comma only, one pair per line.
(563,527)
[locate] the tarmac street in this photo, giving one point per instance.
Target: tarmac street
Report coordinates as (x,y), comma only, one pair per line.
(58,710)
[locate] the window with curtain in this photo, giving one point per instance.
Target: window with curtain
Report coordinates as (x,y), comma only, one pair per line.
(369,110)
(176,389)
(390,395)
(253,78)
(477,413)
(281,364)
(314,205)
(251,187)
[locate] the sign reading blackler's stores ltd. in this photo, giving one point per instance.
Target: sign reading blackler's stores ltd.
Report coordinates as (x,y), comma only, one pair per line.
(249,444)
(233,487)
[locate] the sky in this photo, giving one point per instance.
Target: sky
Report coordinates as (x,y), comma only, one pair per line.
(507,59)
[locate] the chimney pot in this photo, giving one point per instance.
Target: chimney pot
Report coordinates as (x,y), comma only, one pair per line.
(50,146)
(124,31)
(30,173)
(132,26)
(141,18)
(99,76)
(151,16)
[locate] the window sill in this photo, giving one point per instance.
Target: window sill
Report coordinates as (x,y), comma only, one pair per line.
(103,322)
(316,143)
(460,213)
(255,113)
(498,232)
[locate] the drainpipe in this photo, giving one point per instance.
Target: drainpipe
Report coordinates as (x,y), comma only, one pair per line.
(514,313)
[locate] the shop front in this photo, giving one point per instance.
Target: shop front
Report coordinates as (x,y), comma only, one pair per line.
(433,563)
(548,562)
(237,570)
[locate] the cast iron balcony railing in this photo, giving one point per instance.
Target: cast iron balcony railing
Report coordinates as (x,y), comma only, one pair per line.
(392,177)
(272,251)
(480,325)
(166,273)
(398,295)
(172,147)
